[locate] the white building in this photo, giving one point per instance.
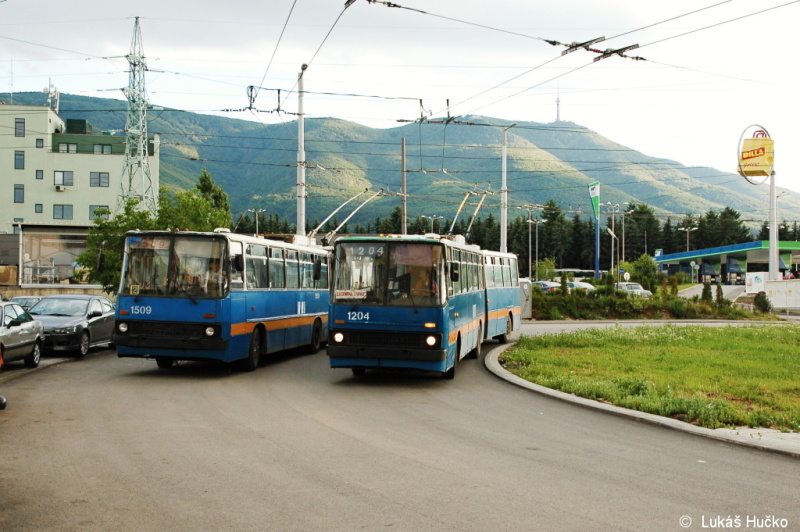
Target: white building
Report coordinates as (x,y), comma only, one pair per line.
(54,174)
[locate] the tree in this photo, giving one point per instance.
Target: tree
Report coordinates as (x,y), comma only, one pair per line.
(645,271)
(188,210)
(213,193)
(106,238)
(554,235)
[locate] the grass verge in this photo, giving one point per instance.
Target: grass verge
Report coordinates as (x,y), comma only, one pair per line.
(708,376)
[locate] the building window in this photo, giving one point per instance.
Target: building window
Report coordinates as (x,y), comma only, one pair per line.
(19,127)
(63,178)
(19,160)
(19,193)
(17,221)
(98,179)
(38,208)
(64,147)
(93,208)
(102,149)
(39,174)
(62,212)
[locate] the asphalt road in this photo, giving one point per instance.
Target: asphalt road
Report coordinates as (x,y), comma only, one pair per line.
(117,444)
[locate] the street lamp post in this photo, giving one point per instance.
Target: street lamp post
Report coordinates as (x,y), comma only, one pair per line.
(537,222)
(613,210)
(255,213)
(504,194)
(623,230)
(432,218)
(688,230)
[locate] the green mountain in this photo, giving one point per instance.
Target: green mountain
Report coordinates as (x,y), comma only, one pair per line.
(256,164)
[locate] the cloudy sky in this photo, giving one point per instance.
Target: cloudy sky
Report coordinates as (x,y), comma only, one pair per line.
(708,70)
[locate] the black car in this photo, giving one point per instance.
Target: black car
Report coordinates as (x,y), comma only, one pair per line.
(75,322)
(21,336)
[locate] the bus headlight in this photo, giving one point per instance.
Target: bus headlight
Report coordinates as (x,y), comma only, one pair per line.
(209,331)
(122,327)
(431,341)
(338,337)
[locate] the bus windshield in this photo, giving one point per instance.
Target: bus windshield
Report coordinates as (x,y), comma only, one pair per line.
(389,273)
(174,265)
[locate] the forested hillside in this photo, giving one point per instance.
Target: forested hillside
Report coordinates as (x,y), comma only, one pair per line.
(256,165)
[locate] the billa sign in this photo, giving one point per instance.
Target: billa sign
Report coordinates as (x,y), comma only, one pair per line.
(757,157)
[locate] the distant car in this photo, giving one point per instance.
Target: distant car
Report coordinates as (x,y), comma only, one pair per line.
(581,286)
(547,286)
(21,336)
(26,302)
(634,289)
(75,322)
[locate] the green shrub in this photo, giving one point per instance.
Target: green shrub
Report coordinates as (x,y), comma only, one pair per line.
(761,303)
(706,296)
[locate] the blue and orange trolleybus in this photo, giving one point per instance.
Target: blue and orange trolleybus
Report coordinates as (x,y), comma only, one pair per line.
(219,296)
(408,302)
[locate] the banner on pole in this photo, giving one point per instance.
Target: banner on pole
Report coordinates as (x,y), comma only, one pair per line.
(594,193)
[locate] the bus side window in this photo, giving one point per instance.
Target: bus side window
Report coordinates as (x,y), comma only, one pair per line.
(236,265)
(514,273)
(292,269)
(306,271)
(322,282)
(277,268)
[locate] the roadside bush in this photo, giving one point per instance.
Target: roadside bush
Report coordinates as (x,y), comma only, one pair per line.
(706,296)
(761,303)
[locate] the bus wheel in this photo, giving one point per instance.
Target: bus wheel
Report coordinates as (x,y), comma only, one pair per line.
(165,363)
(358,372)
(253,353)
(475,353)
(316,338)
(506,336)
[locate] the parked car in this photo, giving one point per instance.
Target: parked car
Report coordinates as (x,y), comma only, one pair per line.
(21,336)
(580,286)
(75,322)
(634,289)
(26,302)
(547,286)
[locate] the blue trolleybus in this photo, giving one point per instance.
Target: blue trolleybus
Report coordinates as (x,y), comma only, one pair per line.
(219,296)
(419,302)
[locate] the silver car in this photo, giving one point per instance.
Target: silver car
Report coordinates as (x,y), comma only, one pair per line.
(21,336)
(634,289)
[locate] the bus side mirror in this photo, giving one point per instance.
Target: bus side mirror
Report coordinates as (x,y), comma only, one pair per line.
(238,262)
(454,272)
(101,262)
(317,272)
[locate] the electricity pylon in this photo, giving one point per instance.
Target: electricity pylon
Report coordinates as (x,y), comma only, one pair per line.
(136,180)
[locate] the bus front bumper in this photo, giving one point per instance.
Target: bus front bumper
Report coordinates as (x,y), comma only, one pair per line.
(192,344)
(377,354)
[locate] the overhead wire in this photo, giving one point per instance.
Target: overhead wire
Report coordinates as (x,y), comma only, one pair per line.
(277,44)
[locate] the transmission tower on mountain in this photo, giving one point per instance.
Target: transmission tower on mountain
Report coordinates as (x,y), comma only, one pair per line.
(136,179)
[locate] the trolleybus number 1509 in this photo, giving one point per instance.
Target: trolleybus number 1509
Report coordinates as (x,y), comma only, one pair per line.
(141,309)
(358,316)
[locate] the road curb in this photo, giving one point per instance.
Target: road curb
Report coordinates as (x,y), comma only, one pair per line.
(45,362)
(492,363)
